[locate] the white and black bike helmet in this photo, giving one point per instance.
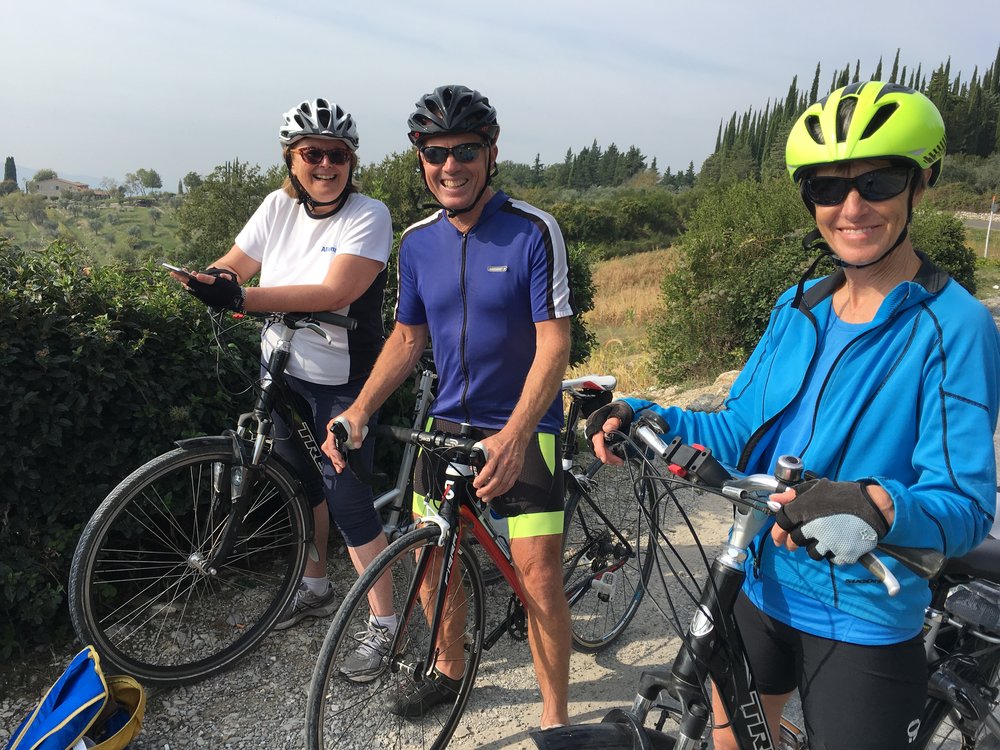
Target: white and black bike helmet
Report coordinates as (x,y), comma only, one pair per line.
(319,118)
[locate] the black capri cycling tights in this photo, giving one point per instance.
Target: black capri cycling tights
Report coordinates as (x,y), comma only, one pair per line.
(349,499)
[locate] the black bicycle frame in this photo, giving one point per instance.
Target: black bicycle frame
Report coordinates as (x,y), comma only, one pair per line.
(714,646)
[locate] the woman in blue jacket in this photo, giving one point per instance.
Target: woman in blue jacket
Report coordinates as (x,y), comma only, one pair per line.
(883,377)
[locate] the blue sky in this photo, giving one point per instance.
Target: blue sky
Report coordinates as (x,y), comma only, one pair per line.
(100,88)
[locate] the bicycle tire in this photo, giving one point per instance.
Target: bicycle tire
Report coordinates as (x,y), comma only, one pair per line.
(608,735)
(341,713)
(135,589)
(607,534)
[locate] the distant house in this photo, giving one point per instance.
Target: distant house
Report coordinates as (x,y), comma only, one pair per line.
(56,186)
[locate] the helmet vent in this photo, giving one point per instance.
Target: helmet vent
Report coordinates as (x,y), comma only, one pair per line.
(845,113)
(814,129)
(878,119)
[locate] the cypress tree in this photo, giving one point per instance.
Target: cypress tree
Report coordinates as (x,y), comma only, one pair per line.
(10,170)
(814,89)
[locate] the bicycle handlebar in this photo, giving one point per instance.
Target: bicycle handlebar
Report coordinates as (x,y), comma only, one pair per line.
(304,319)
(461,449)
(697,465)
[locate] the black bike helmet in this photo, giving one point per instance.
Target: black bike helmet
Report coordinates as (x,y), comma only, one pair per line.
(453,109)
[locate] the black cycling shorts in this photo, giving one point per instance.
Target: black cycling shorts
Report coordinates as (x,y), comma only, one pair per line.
(853,697)
(539,489)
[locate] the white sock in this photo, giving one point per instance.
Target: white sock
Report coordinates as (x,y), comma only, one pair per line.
(389,622)
(318,586)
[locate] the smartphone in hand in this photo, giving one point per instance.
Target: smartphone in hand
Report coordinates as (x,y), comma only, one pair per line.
(177,269)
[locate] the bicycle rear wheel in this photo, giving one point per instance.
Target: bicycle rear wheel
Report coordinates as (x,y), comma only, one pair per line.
(607,552)
(344,713)
(139,590)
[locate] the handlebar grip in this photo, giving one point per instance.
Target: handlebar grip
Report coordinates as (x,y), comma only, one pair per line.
(877,568)
(340,428)
(926,563)
(335,320)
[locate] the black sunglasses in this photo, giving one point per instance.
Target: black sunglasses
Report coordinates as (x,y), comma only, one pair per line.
(463,152)
(877,185)
(315,155)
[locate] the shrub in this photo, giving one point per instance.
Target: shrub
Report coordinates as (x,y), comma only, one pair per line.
(100,370)
(942,237)
(742,249)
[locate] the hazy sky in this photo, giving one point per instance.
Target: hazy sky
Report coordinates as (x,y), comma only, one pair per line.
(100,88)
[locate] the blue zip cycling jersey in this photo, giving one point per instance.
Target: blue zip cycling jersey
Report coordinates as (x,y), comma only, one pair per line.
(481,294)
(910,402)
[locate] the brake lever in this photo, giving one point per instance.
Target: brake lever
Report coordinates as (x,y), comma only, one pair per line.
(340,428)
(317,328)
(878,569)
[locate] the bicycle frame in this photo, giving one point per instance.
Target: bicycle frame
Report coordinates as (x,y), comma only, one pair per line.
(457,513)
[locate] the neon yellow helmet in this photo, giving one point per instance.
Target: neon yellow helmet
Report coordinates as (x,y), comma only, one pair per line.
(868,120)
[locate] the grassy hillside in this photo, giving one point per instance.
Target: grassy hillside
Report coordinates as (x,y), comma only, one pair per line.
(107,231)
(626,295)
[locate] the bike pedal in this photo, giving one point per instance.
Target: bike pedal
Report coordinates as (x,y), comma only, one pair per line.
(792,738)
(604,586)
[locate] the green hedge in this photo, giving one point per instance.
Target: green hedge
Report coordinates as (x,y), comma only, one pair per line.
(101,369)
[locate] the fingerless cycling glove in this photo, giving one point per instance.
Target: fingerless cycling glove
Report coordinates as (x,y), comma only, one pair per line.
(224,294)
(595,422)
(836,521)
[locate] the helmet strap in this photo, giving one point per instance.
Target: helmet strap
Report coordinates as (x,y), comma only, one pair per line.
(311,204)
(814,241)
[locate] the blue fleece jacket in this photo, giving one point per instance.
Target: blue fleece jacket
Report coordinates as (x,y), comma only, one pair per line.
(911,402)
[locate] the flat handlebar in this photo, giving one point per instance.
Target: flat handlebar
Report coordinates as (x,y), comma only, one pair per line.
(697,465)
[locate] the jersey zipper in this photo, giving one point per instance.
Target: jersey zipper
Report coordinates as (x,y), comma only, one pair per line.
(462,347)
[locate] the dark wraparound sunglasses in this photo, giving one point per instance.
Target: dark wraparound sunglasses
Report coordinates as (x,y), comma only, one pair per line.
(315,155)
(877,185)
(463,152)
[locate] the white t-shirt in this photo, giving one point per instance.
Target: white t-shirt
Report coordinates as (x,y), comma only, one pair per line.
(294,248)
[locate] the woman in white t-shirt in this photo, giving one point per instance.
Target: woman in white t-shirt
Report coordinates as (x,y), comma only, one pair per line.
(318,245)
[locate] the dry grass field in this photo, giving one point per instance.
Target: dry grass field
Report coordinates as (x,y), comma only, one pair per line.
(626,296)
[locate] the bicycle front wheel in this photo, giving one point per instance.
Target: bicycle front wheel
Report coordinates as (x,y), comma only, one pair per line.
(348,708)
(141,588)
(607,552)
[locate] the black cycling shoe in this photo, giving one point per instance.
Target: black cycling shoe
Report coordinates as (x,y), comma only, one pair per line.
(433,691)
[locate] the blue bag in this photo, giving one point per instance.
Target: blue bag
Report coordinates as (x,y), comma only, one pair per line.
(83,704)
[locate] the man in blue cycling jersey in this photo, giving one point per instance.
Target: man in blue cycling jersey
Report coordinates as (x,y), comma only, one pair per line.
(486,278)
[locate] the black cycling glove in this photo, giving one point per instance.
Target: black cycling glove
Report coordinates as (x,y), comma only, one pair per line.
(224,294)
(221,272)
(595,422)
(837,521)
